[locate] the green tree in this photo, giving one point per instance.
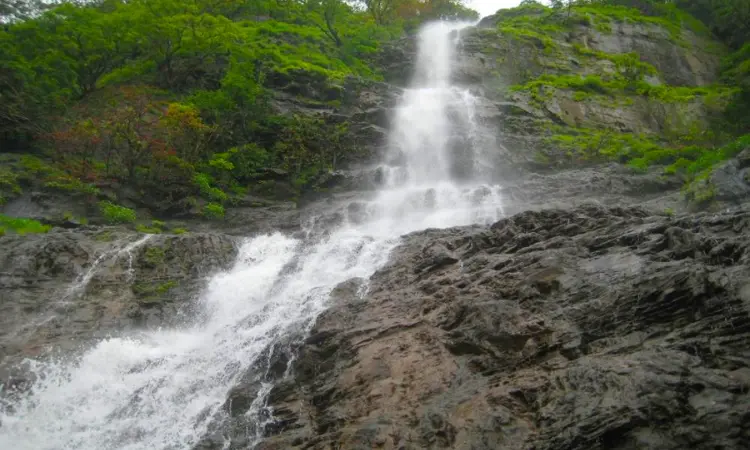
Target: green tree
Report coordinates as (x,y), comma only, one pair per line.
(92,42)
(383,11)
(180,38)
(328,16)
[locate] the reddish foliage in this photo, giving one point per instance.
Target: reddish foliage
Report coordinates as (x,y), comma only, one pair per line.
(136,132)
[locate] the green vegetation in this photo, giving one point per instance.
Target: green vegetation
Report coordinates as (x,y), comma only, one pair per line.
(69,217)
(152,293)
(156,227)
(172,100)
(587,145)
(115,214)
(21,226)
(543,88)
(154,256)
(105,236)
(700,126)
(704,159)
(9,184)
(538,39)
(213,211)
(171,104)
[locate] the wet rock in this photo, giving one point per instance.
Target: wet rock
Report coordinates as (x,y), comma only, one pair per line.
(491,61)
(729,181)
(591,327)
(743,159)
(64,288)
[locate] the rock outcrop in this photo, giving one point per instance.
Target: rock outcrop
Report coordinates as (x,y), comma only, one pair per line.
(64,288)
(522,77)
(561,329)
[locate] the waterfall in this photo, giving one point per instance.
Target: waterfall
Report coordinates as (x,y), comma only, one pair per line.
(164,389)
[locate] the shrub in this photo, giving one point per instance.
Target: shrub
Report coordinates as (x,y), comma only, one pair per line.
(156,227)
(141,228)
(71,184)
(21,226)
(213,211)
(115,214)
(155,256)
(203,181)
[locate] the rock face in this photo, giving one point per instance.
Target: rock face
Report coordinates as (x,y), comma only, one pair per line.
(585,328)
(500,64)
(63,288)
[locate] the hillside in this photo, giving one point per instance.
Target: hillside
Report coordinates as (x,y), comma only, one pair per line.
(322,224)
(180,109)
(201,104)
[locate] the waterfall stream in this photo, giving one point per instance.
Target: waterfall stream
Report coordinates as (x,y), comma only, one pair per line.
(163,389)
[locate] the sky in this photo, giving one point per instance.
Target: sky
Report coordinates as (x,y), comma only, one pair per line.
(487,7)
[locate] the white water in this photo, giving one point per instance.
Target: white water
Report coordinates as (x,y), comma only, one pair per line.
(162,390)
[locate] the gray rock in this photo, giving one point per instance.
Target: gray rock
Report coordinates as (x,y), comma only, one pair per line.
(729,181)
(61,289)
(590,328)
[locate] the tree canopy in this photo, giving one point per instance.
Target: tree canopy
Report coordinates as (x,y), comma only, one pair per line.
(173,96)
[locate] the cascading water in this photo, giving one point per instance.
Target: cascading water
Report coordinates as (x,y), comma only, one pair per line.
(165,389)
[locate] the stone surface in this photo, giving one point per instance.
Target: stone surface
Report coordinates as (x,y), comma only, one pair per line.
(64,288)
(560,329)
(491,61)
(729,181)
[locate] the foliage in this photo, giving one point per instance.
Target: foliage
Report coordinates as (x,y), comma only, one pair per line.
(736,72)
(9,184)
(115,214)
(203,181)
(150,293)
(174,98)
(706,159)
(728,19)
(71,184)
(213,211)
(386,11)
(154,256)
(539,39)
(542,88)
(156,227)
(50,59)
(584,144)
(21,225)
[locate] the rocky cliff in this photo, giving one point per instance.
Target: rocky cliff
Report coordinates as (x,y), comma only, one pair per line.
(596,85)
(63,289)
(584,328)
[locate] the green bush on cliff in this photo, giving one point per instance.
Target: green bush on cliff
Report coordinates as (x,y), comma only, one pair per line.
(9,184)
(705,159)
(543,88)
(213,211)
(681,94)
(116,214)
(585,144)
(203,181)
(21,225)
(662,14)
